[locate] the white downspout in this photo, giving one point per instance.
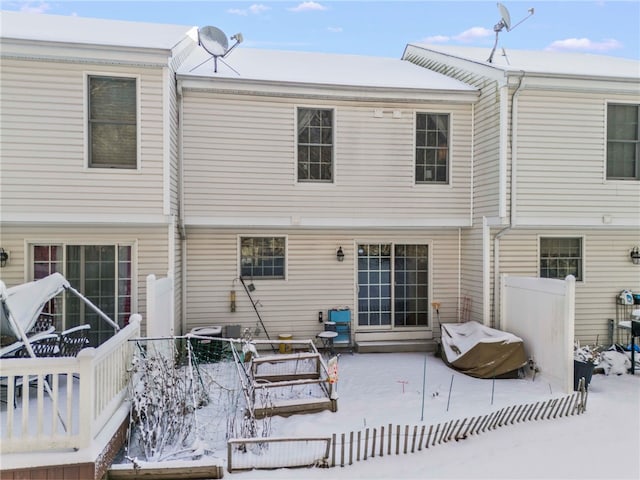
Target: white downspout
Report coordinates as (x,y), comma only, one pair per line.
(512,205)
(486,272)
(181,226)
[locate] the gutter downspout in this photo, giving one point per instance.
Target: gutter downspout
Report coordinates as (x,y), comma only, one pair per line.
(512,207)
(181,226)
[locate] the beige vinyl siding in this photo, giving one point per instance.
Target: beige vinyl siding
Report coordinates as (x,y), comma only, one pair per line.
(607,271)
(315,281)
(150,251)
(561,166)
(239,155)
(43,143)
(486,175)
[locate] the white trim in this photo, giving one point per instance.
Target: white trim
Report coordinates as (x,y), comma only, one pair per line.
(331,92)
(581,222)
(503,147)
(85,219)
(85,106)
(166,142)
(327,222)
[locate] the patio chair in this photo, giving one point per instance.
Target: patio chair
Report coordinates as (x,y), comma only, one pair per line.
(44,323)
(73,340)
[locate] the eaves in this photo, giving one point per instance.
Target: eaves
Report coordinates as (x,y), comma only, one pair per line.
(83,53)
(325,91)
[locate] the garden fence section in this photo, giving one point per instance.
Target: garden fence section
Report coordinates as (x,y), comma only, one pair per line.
(199,390)
(347,448)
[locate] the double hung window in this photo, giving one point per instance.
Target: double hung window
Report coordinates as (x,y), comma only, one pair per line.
(315,145)
(623,142)
(112,122)
(262,257)
(560,256)
(432,148)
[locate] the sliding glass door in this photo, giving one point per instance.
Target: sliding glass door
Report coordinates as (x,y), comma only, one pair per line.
(393,285)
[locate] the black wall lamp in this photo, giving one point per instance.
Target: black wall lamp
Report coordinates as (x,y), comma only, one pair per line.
(340,254)
(635,255)
(4,256)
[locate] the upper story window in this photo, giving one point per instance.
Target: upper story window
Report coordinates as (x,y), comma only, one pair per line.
(262,257)
(112,122)
(560,256)
(432,148)
(315,145)
(623,142)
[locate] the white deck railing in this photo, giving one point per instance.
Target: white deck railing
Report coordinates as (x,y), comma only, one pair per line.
(85,392)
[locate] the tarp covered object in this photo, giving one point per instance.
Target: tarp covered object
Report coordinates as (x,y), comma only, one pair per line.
(481,351)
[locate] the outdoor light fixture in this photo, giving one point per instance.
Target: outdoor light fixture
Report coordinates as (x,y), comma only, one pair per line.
(4,256)
(635,256)
(340,254)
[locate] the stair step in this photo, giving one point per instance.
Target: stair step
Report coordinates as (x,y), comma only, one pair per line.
(390,346)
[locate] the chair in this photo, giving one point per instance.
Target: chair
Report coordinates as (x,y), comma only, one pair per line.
(44,323)
(73,340)
(45,345)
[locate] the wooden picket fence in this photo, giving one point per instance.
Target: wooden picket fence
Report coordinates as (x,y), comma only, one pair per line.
(361,445)
(345,449)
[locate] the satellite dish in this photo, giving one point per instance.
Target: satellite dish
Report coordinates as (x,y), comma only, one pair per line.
(506,18)
(215,43)
(505,22)
(213,40)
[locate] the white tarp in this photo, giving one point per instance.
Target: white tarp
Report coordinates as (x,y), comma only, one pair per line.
(26,301)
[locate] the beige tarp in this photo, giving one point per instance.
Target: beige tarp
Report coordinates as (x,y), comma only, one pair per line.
(481,351)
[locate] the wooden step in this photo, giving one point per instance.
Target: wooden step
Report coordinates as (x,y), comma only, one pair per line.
(391,346)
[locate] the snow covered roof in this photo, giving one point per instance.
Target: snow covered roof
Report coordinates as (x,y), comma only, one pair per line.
(542,62)
(91,31)
(318,68)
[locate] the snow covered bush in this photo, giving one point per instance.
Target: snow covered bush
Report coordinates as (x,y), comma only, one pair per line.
(164,398)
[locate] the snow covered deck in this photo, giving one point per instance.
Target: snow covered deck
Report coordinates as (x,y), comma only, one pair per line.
(78,417)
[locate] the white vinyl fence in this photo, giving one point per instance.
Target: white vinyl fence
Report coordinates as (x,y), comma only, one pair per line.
(541,311)
(160,318)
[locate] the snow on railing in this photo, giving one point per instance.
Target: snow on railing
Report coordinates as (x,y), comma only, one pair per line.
(57,419)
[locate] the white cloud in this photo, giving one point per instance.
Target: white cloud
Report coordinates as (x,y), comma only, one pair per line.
(473,33)
(335,29)
(29,7)
(584,45)
(308,6)
(437,39)
(255,9)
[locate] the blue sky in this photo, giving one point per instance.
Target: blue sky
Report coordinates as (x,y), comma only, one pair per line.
(383,28)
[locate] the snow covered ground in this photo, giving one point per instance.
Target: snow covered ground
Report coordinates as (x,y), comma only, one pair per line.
(378,389)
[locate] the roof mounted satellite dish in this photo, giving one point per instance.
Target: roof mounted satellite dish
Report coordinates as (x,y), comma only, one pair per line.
(505,22)
(215,43)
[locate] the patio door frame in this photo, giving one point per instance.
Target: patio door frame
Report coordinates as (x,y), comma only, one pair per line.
(392,327)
